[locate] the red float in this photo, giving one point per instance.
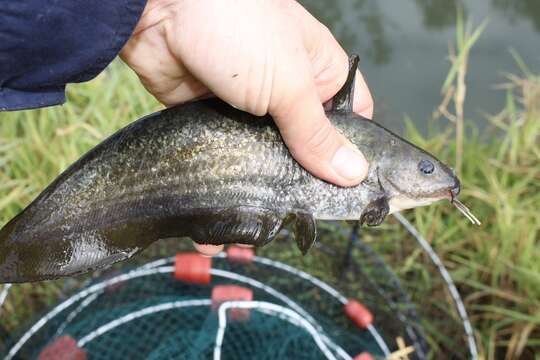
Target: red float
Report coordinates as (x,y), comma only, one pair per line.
(63,348)
(239,254)
(364,356)
(358,313)
(192,268)
(223,293)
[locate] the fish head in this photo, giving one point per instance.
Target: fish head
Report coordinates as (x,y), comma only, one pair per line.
(409,176)
(412,177)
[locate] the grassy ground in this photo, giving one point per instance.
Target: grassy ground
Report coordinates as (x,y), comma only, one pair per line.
(497,266)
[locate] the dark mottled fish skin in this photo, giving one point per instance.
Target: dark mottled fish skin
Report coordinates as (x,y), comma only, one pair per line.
(207,171)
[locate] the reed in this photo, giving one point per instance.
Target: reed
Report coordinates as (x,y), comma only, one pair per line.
(497,265)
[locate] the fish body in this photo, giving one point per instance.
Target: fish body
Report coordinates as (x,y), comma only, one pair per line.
(212,173)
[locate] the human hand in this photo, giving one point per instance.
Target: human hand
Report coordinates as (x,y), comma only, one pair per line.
(261,57)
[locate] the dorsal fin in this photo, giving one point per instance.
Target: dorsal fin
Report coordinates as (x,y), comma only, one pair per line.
(343,100)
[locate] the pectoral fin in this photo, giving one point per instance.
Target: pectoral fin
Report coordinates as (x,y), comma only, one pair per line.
(305,231)
(375,212)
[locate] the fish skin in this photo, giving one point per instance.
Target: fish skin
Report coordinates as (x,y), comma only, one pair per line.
(213,173)
(170,173)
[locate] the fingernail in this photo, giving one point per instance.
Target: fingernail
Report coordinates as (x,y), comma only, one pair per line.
(349,163)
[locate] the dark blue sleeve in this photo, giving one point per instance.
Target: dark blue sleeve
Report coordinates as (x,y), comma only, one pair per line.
(45,44)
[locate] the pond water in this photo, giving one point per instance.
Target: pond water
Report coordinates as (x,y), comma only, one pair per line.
(403,47)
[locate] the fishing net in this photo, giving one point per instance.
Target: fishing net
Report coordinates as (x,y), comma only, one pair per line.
(276,305)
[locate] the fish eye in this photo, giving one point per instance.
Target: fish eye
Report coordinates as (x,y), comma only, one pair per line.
(426,166)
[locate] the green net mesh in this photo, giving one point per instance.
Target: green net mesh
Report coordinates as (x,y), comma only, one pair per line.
(139,310)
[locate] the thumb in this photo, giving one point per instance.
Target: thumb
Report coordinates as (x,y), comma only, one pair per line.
(315,143)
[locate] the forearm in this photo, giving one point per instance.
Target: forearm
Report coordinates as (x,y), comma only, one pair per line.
(45,45)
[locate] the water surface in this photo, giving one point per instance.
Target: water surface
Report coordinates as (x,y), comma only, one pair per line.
(403,47)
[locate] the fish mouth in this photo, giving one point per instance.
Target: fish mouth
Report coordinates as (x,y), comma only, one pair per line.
(424,196)
(403,200)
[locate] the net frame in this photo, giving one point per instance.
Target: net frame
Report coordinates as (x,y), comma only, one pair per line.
(426,248)
(161,266)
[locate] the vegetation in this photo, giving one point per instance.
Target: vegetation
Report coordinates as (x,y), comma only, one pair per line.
(499,265)
(496,266)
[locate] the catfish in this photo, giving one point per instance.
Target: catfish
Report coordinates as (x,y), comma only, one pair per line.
(217,175)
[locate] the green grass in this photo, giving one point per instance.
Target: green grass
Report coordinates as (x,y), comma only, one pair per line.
(36,145)
(496,266)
